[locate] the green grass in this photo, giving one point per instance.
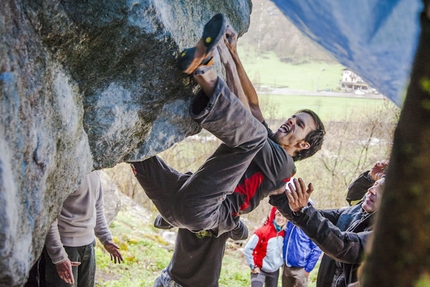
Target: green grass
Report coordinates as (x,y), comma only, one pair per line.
(142,248)
(328,108)
(234,271)
(267,70)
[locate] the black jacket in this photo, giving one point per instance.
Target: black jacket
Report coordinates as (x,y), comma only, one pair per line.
(358,188)
(340,233)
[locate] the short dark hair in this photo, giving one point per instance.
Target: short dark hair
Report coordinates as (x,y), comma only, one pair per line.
(315,138)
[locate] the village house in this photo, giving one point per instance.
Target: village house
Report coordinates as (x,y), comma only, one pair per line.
(351,82)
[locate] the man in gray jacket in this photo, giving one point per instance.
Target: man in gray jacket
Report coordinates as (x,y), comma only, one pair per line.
(71,239)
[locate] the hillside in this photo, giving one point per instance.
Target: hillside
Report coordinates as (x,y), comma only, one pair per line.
(276,55)
(271,32)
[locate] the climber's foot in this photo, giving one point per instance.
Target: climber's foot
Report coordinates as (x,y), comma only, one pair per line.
(213,32)
(187,57)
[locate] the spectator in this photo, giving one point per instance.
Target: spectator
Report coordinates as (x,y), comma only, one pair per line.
(357,189)
(70,257)
(263,252)
(301,255)
(340,233)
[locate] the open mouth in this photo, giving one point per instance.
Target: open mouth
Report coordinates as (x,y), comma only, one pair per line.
(284,129)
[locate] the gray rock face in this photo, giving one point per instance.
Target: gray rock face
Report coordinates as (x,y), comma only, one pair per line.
(86,85)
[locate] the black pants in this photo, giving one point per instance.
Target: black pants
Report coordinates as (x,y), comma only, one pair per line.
(268,279)
(36,277)
(84,274)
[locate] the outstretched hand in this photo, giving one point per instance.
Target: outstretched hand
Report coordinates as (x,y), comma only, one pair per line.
(113,249)
(298,195)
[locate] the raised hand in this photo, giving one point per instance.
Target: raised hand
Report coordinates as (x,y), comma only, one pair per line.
(378,170)
(298,195)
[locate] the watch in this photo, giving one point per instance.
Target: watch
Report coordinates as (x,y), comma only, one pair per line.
(301,211)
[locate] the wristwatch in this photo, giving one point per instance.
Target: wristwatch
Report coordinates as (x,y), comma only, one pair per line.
(301,211)
(252,266)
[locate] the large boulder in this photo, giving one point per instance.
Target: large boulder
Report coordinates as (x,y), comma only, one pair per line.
(86,85)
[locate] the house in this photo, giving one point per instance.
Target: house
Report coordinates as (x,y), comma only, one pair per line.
(351,82)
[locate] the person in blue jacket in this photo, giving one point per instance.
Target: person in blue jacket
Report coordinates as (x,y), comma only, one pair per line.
(301,255)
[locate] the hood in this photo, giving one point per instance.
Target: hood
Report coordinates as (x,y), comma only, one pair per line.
(271,216)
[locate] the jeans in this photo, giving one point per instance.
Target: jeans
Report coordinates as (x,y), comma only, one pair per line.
(164,280)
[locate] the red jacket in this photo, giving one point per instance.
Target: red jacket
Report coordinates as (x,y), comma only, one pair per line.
(264,248)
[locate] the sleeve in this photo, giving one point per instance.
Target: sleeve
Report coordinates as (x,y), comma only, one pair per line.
(54,246)
(280,201)
(101,229)
(313,257)
(358,188)
(346,247)
(249,249)
(273,160)
(240,232)
(269,131)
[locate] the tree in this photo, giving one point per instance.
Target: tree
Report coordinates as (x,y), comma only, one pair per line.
(400,251)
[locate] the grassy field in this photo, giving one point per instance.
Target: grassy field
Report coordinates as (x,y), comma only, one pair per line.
(267,70)
(328,108)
